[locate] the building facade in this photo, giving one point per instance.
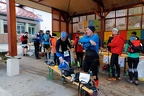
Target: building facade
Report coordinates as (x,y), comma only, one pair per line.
(26,22)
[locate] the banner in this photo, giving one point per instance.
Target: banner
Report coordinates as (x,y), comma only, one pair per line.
(91,23)
(75,27)
(97,24)
(81,26)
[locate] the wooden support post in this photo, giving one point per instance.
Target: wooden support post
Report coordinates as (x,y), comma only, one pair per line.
(67,18)
(102,15)
(11,19)
(102,29)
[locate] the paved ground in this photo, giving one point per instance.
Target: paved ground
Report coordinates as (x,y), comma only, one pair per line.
(32,81)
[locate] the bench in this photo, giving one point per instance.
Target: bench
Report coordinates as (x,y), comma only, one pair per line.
(52,69)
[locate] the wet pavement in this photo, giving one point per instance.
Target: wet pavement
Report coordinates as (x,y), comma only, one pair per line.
(32,81)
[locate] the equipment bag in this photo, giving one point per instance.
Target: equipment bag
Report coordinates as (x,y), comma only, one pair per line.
(67,71)
(22,38)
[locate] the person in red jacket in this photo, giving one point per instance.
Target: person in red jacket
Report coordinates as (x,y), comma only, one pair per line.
(116,46)
(78,49)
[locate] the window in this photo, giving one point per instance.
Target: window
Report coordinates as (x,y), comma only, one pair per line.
(5,26)
(134,22)
(91,17)
(136,10)
(111,14)
(82,18)
(76,19)
(97,17)
(143,22)
(121,23)
(110,23)
(20,27)
(121,13)
(31,28)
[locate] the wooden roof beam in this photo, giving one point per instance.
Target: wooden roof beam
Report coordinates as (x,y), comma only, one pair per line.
(100,6)
(40,0)
(109,10)
(64,16)
(70,18)
(96,12)
(100,3)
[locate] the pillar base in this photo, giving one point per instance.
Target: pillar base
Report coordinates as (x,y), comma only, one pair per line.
(12,67)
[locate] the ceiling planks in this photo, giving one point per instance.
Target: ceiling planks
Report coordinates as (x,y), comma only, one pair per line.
(85,6)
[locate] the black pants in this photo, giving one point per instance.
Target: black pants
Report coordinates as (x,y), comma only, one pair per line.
(113,64)
(36,45)
(91,63)
(80,57)
(132,64)
(55,58)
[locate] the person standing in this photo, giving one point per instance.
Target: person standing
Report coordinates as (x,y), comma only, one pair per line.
(53,40)
(134,34)
(36,40)
(78,49)
(46,44)
(24,40)
(116,48)
(109,41)
(41,40)
(133,60)
(90,43)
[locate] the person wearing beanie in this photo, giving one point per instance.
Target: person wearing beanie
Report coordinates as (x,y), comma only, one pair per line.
(92,28)
(115,29)
(90,44)
(133,58)
(116,47)
(63,47)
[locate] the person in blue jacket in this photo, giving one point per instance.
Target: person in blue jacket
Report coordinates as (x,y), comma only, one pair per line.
(90,43)
(46,44)
(37,42)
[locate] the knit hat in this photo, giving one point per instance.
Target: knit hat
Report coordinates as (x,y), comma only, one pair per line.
(63,34)
(134,33)
(92,28)
(115,29)
(132,38)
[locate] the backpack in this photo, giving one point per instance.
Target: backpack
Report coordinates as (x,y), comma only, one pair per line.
(67,71)
(22,38)
(135,48)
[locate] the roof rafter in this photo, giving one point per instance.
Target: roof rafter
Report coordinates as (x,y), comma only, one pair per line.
(100,3)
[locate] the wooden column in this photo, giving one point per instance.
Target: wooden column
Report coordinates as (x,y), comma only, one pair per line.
(11,21)
(102,28)
(102,15)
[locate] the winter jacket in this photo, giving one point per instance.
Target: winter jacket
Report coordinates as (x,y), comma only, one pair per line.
(63,65)
(78,46)
(117,45)
(85,40)
(53,44)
